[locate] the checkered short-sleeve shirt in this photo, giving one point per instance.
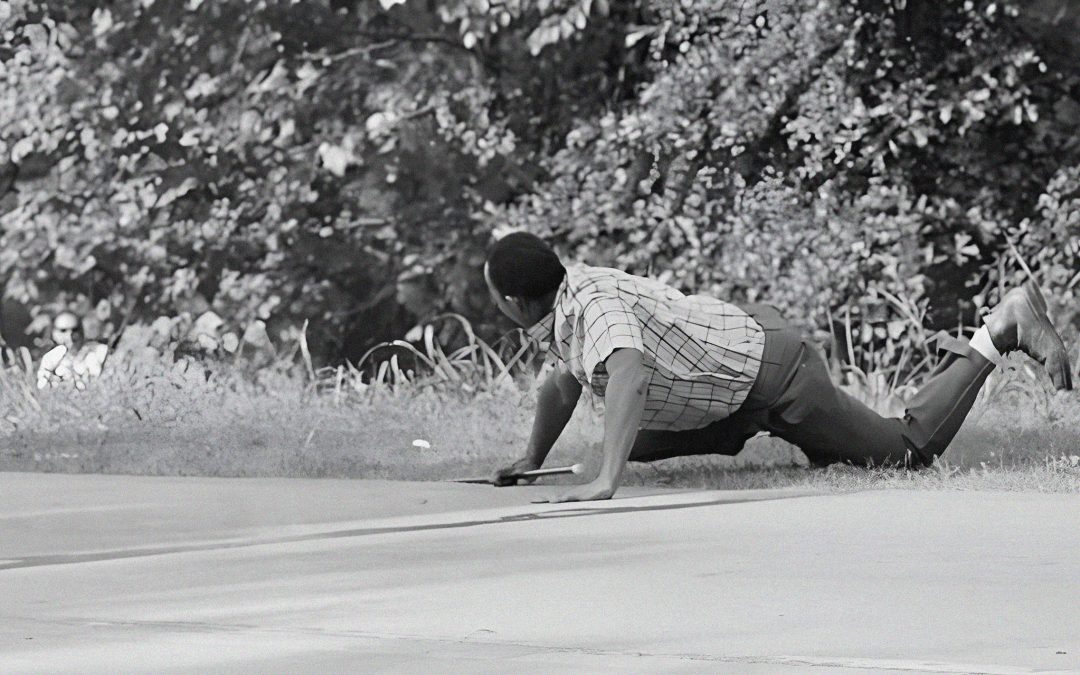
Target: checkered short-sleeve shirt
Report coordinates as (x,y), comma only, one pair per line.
(702,354)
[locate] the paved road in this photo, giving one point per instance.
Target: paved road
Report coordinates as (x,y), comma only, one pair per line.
(118,574)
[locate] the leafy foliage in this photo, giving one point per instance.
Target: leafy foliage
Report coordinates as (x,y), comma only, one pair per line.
(345,161)
(284,163)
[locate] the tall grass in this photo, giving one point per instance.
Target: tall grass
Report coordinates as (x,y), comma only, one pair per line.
(289,418)
(474,367)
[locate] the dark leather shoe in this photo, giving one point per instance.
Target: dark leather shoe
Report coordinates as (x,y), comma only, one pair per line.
(1019,322)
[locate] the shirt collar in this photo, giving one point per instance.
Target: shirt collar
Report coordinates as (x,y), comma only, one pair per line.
(544,329)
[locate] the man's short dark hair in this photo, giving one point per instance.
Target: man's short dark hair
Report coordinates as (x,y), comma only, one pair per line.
(522,265)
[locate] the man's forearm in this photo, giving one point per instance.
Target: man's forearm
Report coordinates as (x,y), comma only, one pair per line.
(553,410)
(624,405)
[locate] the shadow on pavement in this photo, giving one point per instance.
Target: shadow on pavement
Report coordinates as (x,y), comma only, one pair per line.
(557,513)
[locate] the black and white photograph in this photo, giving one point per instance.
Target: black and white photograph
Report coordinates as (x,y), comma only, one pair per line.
(539,336)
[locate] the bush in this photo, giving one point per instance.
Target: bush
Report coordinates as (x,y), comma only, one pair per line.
(345,161)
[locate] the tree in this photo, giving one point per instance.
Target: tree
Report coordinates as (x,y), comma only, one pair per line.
(345,161)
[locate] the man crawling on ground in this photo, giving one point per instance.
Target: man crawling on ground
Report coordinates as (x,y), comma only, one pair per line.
(693,375)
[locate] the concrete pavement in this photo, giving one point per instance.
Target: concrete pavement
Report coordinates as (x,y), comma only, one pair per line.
(128,574)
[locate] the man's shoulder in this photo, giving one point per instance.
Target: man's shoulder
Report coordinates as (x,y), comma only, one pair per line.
(584,279)
(581,270)
(587,285)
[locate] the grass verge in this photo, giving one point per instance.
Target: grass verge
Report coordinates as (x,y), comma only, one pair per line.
(183,419)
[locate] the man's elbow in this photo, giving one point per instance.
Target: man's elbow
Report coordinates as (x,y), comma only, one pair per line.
(627,367)
(569,389)
(639,381)
(634,379)
(569,397)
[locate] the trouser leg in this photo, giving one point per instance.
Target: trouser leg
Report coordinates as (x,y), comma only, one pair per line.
(938,410)
(726,437)
(829,425)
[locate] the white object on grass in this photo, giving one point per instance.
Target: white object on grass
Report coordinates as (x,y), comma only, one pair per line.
(421,443)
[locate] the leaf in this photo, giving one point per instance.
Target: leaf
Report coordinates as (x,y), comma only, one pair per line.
(545,34)
(174,182)
(580,20)
(22,148)
(633,37)
(102,21)
(170,195)
(38,36)
(306,75)
(335,158)
(275,80)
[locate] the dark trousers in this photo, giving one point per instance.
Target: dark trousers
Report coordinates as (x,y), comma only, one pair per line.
(795,399)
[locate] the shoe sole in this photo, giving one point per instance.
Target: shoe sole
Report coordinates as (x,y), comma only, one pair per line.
(1037,302)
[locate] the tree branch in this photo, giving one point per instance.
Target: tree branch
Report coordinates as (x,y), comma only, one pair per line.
(366,49)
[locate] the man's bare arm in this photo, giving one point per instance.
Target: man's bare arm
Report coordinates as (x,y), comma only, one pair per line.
(624,404)
(555,405)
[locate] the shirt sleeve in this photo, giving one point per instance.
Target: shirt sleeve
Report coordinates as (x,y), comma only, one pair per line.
(607,324)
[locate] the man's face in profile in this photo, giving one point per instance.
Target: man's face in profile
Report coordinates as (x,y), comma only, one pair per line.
(506,305)
(65,329)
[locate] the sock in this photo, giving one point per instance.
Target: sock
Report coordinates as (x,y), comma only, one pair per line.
(982,343)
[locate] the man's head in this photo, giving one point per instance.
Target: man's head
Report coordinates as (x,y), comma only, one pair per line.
(66,329)
(523,274)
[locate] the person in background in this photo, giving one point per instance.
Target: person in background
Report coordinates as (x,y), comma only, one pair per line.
(72,361)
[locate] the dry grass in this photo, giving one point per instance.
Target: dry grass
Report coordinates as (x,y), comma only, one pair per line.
(474,407)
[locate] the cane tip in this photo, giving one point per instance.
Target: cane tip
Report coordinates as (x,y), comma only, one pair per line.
(577,468)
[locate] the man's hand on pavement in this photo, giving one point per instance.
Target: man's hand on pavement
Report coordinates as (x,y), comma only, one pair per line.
(501,476)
